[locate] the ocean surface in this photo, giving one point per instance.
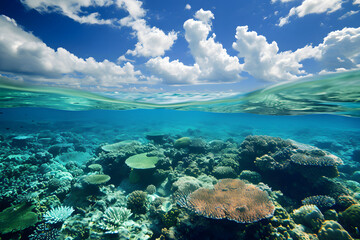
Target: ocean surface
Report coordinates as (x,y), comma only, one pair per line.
(322,112)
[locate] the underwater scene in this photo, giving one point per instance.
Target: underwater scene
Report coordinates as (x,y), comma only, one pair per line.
(179,120)
(277,163)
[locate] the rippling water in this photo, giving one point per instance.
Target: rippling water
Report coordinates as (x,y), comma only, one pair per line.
(332,94)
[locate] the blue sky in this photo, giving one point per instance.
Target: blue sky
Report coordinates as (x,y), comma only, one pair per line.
(133,45)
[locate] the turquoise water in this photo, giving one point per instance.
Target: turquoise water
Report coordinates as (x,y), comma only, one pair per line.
(322,112)
(331,94)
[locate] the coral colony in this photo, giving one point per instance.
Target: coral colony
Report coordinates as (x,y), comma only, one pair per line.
(173,188)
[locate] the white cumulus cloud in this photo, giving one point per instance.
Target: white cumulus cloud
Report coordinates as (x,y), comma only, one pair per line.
(340,50)
(187,7)
(72,9)
(25,55)
(152,41)
(263,60)
(311,7)
(212,62)
(174,72)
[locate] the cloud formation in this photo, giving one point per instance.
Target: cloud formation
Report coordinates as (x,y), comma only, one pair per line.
(340,50)
(348,14)
(71,9)
(263,60)
(311,7)
(152,41)
(212,62)
(25,55)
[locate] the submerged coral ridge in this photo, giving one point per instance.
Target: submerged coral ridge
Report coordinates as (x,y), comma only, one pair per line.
(173,187)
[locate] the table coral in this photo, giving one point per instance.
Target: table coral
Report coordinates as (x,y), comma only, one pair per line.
(232,199)
(17,218)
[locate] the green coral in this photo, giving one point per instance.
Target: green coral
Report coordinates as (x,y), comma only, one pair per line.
(142,161)
(227,161)
(16,218)
(137,202)
(182,142)
(250,176)
(224,172)
(350,218)
(332,230)
(97,179)
(309,216)
(345,201)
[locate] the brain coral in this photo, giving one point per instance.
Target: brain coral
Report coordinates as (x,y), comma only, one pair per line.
(350,218)
(331,230)
(232,199)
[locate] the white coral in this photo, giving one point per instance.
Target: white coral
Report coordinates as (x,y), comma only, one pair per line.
(114,218)
(58,214)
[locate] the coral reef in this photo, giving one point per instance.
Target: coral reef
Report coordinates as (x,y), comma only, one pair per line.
(17,218)
(137,202)
(331,230)
(142,161)
(309,216)
(45,232)
(231,199)
(97,179)
(113,218)
(182,142)
(321,201)
(350,219)
(58,214)
(129,189)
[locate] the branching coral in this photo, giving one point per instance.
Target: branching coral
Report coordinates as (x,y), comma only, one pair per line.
(114,217)
(321,201)
(45,231)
